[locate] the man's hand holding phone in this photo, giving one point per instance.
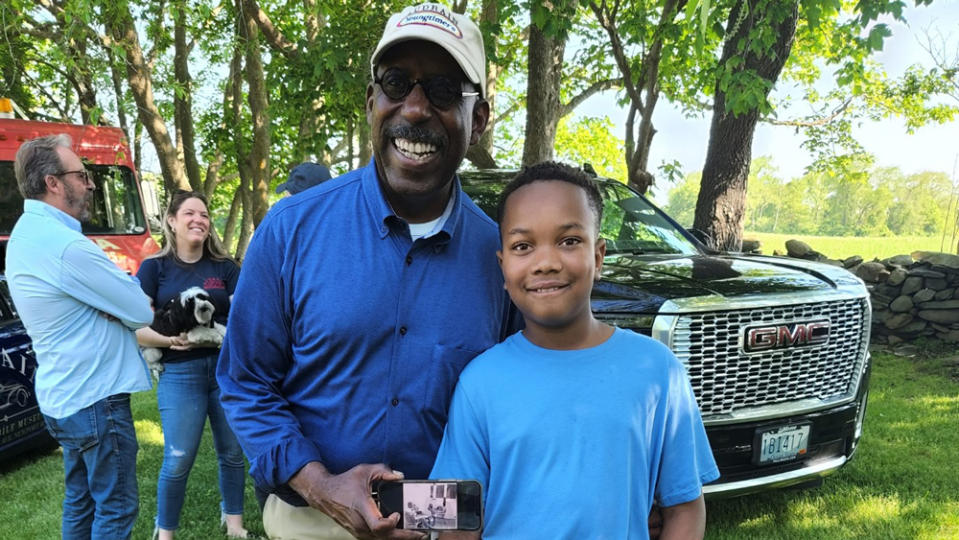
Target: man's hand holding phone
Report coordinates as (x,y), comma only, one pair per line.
(346,498)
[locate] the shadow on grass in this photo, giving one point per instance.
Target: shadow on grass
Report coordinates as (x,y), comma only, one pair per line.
(28,459)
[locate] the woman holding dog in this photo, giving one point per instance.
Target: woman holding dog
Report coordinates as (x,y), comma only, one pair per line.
(187,391)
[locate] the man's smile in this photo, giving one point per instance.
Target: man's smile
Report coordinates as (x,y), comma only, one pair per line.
(416,151)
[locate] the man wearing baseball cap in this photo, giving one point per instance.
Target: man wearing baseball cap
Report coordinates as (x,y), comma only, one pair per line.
(304,176)
(362,299)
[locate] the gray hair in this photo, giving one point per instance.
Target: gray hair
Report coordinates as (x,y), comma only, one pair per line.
(36,159)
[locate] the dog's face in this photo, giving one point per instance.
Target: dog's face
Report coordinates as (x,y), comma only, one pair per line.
(201,303)
(192,308)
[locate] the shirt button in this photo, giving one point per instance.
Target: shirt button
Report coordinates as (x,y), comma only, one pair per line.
(395,402)
(402,330)
(409,260)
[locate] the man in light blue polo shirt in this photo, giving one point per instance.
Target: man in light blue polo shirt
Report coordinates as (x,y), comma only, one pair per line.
(81,311)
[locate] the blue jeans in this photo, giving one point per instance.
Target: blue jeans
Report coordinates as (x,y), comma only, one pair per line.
(99,463)
(187,393)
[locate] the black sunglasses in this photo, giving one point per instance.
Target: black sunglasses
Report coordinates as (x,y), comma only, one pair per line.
(83,173)
(441,91)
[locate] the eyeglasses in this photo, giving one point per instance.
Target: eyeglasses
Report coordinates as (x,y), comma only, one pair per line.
(84,175)
(441,91)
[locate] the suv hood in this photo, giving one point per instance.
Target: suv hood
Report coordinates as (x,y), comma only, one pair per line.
(642,283)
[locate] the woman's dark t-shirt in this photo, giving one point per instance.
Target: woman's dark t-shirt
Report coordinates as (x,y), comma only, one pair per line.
(163,278)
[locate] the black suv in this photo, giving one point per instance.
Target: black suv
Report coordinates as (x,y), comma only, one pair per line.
(21,425)
(776,348)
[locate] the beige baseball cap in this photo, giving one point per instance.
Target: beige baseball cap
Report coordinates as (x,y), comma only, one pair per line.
(437,23)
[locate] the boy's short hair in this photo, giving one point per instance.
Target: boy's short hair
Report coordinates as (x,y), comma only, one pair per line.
(553,170)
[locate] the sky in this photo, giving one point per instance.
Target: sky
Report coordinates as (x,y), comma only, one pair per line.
(931,148)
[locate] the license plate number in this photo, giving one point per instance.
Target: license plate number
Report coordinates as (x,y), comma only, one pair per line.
(783,443)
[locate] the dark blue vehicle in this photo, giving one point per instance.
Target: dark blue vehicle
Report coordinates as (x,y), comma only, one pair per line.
(21,424)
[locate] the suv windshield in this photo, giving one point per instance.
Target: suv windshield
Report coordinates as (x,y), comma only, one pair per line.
(115,208)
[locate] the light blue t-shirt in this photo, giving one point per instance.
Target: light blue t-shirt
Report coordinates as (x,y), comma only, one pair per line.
(576,444)
(62,285)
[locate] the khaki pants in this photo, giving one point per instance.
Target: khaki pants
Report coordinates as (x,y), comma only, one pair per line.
(284,521)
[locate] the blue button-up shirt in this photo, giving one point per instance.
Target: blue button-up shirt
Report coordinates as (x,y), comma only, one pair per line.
(62,285)
(346,338)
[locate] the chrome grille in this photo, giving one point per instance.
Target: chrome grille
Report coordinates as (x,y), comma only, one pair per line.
(726,379)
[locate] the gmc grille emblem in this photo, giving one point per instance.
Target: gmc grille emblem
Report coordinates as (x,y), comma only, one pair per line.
(784,336)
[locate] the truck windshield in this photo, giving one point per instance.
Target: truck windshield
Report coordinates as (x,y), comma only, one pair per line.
(633,225)
(115,208)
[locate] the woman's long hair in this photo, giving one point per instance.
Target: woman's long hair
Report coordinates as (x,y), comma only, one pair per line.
(212,247)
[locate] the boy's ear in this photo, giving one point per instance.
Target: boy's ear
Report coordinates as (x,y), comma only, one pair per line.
(499,259)
(599,254)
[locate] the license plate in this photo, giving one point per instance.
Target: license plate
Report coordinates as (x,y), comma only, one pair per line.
(782,443)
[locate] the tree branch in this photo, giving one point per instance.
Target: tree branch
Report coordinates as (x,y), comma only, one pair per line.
(503,115)
(274,37)
(836,113)
(607,19)
(155,50)
(594,88)
(64,115)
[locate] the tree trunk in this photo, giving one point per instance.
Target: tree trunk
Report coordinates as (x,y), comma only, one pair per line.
(86,95)
(240,147)
(183,101)
(246,224)
(489,13)
(351,137)
(480,157)
(229,229)
(137,143)
(543,106)
(116,78)
(212,178)
(722,196)
(119,23)
(363,141)
(260,151)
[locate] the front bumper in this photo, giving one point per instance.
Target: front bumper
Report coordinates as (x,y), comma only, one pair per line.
(833,438)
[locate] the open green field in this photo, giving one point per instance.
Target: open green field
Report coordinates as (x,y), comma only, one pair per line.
(841,247)
(902,483)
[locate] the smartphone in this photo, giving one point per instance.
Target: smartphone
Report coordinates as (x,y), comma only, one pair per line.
(432,505)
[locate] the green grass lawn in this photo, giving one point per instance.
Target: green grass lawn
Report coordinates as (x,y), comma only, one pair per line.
(32,488)
(841,247)
(902,483)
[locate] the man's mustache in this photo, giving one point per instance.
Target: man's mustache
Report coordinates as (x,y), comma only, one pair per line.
(415,134)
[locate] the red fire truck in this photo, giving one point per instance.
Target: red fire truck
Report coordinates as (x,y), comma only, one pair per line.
(119,221)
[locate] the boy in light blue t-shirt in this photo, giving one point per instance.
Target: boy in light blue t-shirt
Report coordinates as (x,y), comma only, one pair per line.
(573,427)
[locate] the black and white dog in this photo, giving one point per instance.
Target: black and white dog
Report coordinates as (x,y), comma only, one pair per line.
(191,312)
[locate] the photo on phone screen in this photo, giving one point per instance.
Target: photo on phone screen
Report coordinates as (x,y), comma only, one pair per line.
(432,505)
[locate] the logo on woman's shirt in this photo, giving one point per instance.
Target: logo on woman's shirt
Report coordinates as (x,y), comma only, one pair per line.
(211,283)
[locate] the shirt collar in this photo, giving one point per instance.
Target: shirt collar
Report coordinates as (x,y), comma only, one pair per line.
(36,206)
(384,215)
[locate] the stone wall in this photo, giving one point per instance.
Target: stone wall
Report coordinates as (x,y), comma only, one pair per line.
(912,295)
